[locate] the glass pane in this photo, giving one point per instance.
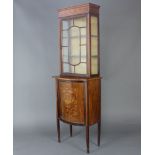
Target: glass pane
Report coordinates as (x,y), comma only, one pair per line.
(64,41)
(70,22)
(94,26)
(65,67)
(75,51)
(94,46)
(83,58)
(81,68)
(72,69)
(80,22)
(65,58)
(94,65)
(83,50)
(64,34)
(74,47)
(74,32)
(74,60)
(83,40)
(83,53)
(66,24)
(65,54)
(83,31)
(65,51)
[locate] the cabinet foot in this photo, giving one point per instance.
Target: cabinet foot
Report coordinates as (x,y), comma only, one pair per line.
(87,138)
(58,130)
(70,130)
(99,133)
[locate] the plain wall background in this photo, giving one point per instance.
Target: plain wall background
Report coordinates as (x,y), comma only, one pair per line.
(36,60)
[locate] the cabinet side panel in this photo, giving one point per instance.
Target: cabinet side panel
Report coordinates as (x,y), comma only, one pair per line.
(71,95)
(94,101)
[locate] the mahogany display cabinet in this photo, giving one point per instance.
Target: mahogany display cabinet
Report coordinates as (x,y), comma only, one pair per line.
(78,86)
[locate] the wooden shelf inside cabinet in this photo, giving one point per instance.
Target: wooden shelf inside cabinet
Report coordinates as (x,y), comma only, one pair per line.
(78,88)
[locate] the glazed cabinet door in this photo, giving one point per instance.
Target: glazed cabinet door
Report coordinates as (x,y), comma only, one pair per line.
(73,45)
(71,101)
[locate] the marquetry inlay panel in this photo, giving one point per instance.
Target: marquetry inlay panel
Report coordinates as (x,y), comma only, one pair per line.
(71,101)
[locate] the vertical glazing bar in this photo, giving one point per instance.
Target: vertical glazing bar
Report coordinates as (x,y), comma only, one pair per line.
(88,45)
(80,44)
(69,46)
(98,45)
(60,43)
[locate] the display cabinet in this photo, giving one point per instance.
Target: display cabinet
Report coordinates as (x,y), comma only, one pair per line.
(78,86)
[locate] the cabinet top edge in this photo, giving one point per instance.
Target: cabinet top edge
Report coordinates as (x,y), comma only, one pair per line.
(79,9)
(76,78)
(79,6)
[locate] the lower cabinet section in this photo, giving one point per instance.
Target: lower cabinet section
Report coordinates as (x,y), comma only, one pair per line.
(78,100)
(79,103)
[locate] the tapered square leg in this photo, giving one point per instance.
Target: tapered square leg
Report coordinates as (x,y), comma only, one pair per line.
(58,130)
(70,130)
(87,138)
(99,133)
